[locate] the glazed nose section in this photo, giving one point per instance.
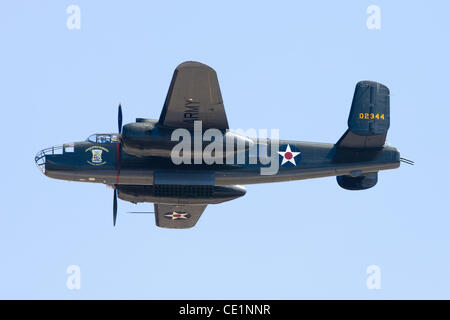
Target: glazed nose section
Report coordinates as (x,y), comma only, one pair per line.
(40,161)
(40,157)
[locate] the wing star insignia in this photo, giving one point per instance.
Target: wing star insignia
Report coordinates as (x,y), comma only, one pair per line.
(288,155)
(177,215)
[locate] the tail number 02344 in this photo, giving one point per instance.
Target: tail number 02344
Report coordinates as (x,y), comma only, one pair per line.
(371,116)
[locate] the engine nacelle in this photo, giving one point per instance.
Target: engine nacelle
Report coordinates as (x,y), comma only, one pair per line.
(179,194)
(358,183)
(145,138)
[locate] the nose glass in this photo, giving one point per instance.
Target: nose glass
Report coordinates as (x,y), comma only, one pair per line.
(40,156)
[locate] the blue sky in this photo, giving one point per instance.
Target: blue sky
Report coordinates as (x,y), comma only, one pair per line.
(290,65)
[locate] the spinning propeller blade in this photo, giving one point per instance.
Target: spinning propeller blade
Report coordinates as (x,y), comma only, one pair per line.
(115,207)
(119,118)
(119,122)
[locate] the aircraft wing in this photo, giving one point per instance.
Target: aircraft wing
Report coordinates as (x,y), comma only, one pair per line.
(194,94)
(177,216)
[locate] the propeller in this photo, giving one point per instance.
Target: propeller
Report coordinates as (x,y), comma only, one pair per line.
(119,118)
(119,122)
(115,207)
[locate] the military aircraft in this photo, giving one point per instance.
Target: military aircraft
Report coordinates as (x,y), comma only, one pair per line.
(137,162)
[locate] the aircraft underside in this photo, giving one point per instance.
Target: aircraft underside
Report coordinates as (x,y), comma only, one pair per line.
(144,162)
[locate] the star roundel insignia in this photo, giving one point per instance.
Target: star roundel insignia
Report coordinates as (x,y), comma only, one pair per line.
(289,155)
(177,215)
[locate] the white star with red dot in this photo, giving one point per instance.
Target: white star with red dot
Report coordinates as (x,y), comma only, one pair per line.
(288,155)
(177,215)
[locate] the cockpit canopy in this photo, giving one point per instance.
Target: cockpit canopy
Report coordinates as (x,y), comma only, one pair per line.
(104,138)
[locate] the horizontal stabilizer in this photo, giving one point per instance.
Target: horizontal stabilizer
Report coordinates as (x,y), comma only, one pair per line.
(358,183)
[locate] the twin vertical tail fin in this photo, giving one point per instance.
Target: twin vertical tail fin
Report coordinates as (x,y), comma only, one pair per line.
(369,118)
(368,124)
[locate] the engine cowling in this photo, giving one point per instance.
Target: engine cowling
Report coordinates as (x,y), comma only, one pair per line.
(145,138)
(361,182)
